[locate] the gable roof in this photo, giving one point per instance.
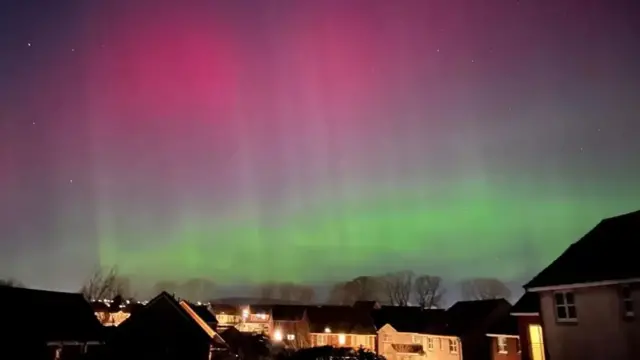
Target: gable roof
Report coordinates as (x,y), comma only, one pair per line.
(412,319)
(158,311)
(226,309)
(468,316)
(204,313)
(600,255)
(340,319)
(288,312)
(59,316)
(528,304)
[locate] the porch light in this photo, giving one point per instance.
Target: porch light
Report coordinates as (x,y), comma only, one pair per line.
(327,330)
(277,335)
(342,339)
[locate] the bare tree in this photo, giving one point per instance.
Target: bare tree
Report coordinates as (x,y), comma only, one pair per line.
(105,284)
(268,291)
(428,291)
(287,292)
(11,283)
(167,286)
(398,287)
(484,289)
(196,289)
(362,288)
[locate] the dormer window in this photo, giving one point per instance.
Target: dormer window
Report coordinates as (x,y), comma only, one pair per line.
(565,306)
(627,301)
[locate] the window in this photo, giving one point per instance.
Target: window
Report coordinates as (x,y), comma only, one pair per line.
(518,348)
(627,302)
(291,337)
(415,339)
(430,343)
(386,338)
(502,345)
(440,344)
(565,306)
(453,346)
(322,340)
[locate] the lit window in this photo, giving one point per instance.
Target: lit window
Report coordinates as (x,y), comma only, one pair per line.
(430,343)
(453,346)
(342,339)
(277,335)
(291,337)
(502,345)
(565,306)
(322,340)
(627,301)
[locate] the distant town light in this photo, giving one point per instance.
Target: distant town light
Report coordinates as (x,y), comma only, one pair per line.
(342,339)
(327,330)
(245,313)
(277,335)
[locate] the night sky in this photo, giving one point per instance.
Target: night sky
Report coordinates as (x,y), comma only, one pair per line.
(311,141)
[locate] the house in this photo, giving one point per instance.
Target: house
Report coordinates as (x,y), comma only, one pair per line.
(110,315)
(414,333)
(471,320)
(290,326)
(164,329)
(226,315)
(527,313)
(366,304)
(589,294)
(47,324)
(255,319)
(505,339)
(341,326)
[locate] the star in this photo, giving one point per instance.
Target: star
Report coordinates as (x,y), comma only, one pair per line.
(71,181)
(73,49)
(29,44)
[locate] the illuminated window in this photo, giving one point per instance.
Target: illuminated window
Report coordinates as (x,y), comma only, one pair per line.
(627,301)
(291,337)
(321,339)
(502,345)
(453,346)
(536,342)
(342,339)
(565,306)
(430,343)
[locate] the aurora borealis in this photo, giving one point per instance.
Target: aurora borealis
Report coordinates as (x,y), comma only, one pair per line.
(311,141)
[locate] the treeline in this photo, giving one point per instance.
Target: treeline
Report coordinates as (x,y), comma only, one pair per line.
(400,288)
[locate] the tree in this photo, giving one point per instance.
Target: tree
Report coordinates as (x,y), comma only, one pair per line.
(362,288)
(196,289)
(11,283)
(105,284)
(398,287)
(484,289)
(289,292)
(168,286)
(428,291)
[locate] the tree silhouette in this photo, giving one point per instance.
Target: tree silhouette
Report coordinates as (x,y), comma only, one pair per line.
(428,291)
(484,289)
